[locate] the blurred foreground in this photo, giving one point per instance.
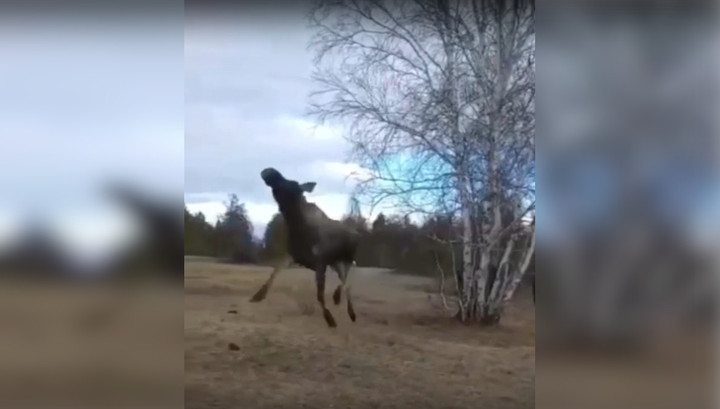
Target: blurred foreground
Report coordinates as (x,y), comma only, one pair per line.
(151,246)
(69,346)
(99,329)
(629,230)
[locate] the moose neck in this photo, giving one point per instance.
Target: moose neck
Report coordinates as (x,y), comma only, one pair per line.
(294,216)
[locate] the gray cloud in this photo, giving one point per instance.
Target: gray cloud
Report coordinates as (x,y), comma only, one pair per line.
(246,88)
(83,102)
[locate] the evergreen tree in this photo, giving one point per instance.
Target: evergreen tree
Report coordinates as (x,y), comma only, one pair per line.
(234,233)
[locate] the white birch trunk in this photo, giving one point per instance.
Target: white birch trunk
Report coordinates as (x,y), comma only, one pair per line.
(467,266)
(492,235)
(504,274)
(512,286)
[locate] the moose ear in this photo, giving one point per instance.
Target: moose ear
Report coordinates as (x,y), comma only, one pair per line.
(308,187)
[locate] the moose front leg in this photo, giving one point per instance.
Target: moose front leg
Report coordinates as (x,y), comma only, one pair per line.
(282,264)
(320,283)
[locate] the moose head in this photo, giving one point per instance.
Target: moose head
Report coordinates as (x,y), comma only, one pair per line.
(287,193)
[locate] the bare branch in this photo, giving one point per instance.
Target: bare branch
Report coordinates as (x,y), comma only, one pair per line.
(437,99)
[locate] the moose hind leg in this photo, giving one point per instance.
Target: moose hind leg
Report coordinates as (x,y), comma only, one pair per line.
(343,270)
(320,283)
(350,309)
(348,297)
(337,294)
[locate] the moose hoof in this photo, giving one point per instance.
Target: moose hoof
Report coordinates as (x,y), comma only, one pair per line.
(336,295)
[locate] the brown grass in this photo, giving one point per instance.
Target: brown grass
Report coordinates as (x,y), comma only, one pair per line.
(400,353)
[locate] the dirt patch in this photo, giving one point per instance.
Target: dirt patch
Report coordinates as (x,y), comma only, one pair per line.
(211,290)
(401,352)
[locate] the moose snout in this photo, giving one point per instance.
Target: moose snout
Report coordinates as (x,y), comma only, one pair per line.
(271,176)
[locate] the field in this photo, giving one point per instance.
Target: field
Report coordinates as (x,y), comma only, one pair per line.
(402,351)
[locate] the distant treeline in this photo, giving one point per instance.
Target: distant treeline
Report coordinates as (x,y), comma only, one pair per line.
(387,242)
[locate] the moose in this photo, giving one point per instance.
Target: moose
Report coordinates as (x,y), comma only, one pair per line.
(314,241)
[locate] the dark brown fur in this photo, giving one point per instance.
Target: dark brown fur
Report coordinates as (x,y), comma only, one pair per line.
(315,241)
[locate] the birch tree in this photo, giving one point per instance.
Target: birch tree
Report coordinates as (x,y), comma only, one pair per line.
(437,100)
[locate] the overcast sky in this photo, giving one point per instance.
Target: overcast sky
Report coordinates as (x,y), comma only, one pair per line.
(247,80)
(86,101)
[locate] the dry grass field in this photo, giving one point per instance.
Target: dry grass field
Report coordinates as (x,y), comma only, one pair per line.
(400,353)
